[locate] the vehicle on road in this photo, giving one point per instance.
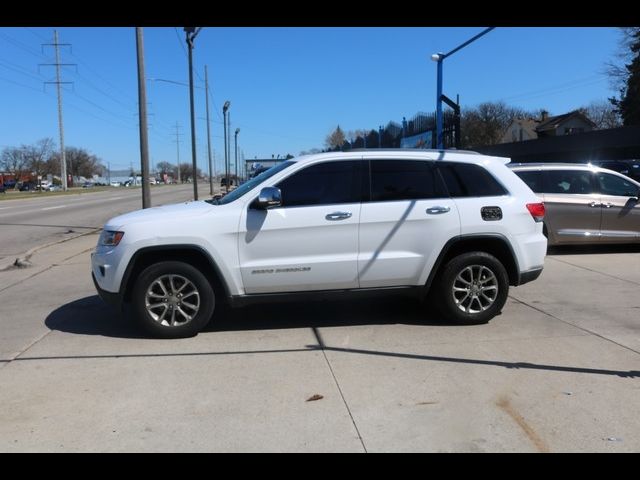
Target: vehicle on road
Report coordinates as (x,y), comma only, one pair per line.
(454,228)
(27,187)
(9,184)
(584,204)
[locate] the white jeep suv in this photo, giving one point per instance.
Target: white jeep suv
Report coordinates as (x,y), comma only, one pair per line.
(455,228)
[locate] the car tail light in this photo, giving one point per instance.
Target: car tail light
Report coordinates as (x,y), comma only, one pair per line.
(536,210)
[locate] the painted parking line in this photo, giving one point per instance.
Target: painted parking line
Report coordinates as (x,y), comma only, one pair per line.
(53,208)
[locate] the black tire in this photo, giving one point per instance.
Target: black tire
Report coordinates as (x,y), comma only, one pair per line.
(178,317)
(467,276)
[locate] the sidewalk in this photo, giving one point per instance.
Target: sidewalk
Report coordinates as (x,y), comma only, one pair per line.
(557,371)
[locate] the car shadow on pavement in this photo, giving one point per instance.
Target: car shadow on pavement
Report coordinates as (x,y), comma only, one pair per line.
(91,316)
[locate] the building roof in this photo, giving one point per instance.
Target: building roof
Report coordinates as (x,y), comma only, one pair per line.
(552,123)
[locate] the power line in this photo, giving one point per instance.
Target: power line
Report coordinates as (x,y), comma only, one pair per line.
(108,83)
(106,94)
(180,41)
(36,34)
(535,93)
(22,85)
(18,69)
(22,46)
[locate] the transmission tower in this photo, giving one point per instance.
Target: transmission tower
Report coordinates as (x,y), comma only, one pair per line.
(59,83)
(177,141)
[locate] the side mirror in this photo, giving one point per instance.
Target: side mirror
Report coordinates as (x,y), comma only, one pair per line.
(268,197)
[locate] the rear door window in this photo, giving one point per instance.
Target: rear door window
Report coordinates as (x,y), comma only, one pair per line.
(404,180)
(569,182)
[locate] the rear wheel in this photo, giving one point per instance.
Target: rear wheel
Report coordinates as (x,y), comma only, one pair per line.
(173,300)
(473,288)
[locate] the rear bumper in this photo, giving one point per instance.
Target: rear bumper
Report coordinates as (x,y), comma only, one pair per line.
(114,299)
(529,276)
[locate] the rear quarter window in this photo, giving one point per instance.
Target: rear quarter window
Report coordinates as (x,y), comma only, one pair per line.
(469,180)
(533,179)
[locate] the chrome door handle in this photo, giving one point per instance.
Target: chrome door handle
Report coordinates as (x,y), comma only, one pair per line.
(594,204)
(437,210)
(338,216)
(607,205)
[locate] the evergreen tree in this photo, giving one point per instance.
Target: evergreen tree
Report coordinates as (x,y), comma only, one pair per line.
(629,103)
(335,140)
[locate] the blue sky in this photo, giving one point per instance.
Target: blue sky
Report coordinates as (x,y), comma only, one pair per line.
(288,87)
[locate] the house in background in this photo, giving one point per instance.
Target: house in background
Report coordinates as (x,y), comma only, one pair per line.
(520,130)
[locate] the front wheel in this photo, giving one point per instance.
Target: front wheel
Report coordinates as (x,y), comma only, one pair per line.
(473,288)
(173,300)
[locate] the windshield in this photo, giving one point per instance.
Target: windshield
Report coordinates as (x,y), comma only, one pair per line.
(245,187)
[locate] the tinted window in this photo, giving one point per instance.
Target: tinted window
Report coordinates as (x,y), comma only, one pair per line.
(533,178)
(568,181)
(467,180)
(403,180)
(612,185)
(322,184)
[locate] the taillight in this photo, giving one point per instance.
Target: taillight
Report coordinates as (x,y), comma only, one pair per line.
(536,210)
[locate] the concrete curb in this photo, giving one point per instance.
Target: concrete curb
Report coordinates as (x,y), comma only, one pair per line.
(22,261)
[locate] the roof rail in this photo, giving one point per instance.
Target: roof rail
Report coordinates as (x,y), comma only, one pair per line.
(431,150)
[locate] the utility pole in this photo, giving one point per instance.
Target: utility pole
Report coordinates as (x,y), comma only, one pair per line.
(58,82)
(225,109)
(177,140)
(236,153)
(142,108)
(191,33)
(206,89)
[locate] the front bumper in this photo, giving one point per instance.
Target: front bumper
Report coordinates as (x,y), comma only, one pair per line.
(113,299)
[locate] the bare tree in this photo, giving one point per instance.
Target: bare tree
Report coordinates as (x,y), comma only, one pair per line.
(80,163)
(37,156)
(603,114)
(486,123)
(166,167)
(12,160)
(186,172)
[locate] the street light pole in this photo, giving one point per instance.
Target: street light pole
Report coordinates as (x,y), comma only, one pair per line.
(191,33)
(225,108)
(439,57)
(211,172)
(236,153)
(142,110)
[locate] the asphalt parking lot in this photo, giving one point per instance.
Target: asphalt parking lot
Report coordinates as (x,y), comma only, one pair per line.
(557,371)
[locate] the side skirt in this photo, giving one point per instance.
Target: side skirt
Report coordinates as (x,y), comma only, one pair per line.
(308,296)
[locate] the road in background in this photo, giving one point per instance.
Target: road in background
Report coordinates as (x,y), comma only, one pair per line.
(28,223)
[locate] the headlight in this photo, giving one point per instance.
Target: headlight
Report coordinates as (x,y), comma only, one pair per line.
(110,238)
